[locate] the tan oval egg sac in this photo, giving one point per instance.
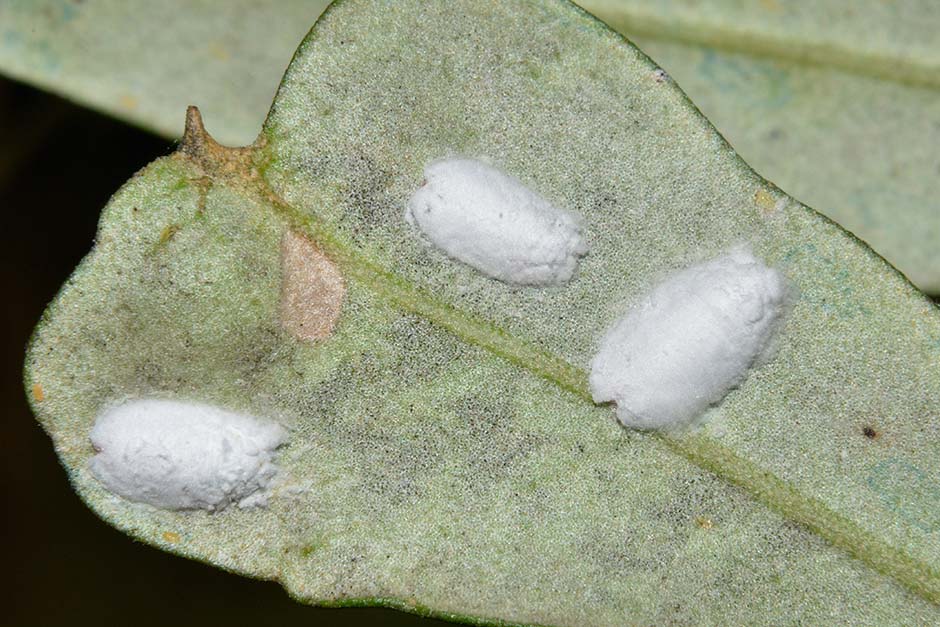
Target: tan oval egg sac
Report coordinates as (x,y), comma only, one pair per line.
(312,289)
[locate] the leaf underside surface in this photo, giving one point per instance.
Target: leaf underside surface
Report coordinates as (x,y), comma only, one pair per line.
(444,456)
(837,104)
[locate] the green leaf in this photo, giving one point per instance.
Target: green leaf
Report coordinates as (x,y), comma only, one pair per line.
(144,62)
(444,455)
(837,105)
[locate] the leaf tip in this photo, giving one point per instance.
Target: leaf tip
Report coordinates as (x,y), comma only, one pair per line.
(195,136)
(230,163)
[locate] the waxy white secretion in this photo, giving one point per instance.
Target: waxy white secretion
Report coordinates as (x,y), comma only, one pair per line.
(180,455)
(491,221)
(689,341)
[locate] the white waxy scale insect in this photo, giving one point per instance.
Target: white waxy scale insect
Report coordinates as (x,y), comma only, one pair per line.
(492,222)
(689,341)
(180,455)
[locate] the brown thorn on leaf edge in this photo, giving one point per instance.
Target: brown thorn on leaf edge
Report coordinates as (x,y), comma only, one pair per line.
(214,158)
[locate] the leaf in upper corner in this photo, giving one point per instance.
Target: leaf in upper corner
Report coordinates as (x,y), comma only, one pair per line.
(108,54)
(444,456)
(846,122)
(839,105)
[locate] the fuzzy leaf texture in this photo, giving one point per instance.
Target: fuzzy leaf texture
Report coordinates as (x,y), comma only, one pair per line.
(836,103)
(443,454)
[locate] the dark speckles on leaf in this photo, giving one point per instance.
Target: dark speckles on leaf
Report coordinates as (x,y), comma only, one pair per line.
(870,432)
(259,351)
(366,190)
(394,468)
(149,376)
(420,359)
(685,496)
(484,416)
(622,552)
(494,448)
(603,202)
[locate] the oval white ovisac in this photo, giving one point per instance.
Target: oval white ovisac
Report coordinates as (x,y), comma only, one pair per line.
(689,341)
(181,455)
(490,221)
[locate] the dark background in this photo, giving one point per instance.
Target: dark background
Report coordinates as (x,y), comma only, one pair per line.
(59,164)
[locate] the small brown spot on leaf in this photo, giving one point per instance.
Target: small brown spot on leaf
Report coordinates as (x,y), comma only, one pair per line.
(38,394)
(312,289)
(167,233)
(764,200)
(703,522)
(171,536)
(870,433)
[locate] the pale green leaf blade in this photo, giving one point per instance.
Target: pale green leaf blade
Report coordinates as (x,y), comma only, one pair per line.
(659,190)
(443,456)
(893,40)
(478,491)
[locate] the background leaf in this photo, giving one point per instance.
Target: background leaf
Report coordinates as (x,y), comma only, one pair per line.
(836,104)
(443,455)
(839,104)
(144,62)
